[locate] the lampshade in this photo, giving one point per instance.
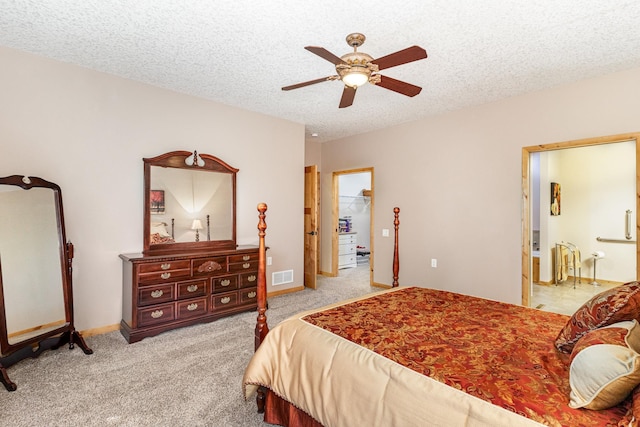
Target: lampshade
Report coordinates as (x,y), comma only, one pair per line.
(194,158)
(197,225)
(355,77)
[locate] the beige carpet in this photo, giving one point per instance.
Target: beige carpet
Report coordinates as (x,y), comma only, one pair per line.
(186,377)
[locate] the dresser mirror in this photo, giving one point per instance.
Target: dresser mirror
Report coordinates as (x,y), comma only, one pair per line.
(36,311)
(189,203)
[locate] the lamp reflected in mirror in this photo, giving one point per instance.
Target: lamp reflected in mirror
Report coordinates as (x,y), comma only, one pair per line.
(197,225)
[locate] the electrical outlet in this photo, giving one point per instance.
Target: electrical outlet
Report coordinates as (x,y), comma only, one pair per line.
(434,262)
(268,260)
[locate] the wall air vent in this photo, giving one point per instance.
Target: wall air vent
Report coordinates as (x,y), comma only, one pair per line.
(281,277)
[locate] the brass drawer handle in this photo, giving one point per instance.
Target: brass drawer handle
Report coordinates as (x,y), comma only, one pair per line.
(225,300)
(246,257)
(192,288)
(252,278)
(157,293)
(192,307)
(225,282)
(165,266)
(157,314)
(251,294)
(165,275)
(246,265)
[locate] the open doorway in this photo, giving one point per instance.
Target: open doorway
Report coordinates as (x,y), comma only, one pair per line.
(544,227)
(352,240)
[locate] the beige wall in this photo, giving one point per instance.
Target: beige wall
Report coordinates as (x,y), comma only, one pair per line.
(88,132)
(312,153)
(457,180)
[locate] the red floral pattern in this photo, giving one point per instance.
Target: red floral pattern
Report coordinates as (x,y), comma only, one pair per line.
(498,352)
(156,238)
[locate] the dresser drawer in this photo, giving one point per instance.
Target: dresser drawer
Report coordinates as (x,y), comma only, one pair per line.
(243,257)
(202,266)
(347,260)
(156,314)
(347,238)
(248,279)
(238,267)
(224,283)
(249,295)
(156,294)
(347,249)
(192,308)
(224,300)
(164,275)
(192,289)
(153,267)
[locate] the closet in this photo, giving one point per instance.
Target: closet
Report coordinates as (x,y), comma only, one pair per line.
(354,222)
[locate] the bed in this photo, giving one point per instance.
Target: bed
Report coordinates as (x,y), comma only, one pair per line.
(159,233)
(416,356)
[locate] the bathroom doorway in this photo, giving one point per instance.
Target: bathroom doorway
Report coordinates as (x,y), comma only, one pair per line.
(590,187)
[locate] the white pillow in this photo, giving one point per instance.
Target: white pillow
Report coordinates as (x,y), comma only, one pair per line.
(159,228)
(605,366)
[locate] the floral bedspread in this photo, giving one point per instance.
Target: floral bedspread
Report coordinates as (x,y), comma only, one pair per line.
(498,352)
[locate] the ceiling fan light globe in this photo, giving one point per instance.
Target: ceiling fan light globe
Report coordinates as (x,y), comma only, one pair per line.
(355,78)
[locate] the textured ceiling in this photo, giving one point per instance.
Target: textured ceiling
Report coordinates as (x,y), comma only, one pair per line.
(242,52)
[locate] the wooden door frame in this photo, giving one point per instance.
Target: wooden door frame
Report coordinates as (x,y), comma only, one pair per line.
(335,216)
(526,200)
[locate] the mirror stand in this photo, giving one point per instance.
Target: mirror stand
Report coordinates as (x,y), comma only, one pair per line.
(53,343)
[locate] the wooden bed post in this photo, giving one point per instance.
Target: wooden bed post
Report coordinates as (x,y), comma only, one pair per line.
(261,322)
(396,258)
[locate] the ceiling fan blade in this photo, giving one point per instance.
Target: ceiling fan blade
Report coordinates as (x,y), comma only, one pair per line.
(310,82)
(399,86)
(409,54)
(347,96)
(325,54)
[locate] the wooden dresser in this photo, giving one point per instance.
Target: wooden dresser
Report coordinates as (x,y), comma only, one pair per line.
(164,292)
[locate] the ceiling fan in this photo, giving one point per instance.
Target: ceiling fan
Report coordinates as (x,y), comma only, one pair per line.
(357,68)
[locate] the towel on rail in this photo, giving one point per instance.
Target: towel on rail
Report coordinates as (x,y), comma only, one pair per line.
(569,258)
(562,266)
(577,262)
(574,259)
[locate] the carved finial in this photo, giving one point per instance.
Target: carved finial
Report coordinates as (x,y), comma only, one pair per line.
(262,225)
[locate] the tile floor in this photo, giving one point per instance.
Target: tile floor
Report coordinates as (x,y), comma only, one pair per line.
(564,298)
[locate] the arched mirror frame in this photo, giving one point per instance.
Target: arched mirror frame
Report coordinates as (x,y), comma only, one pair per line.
(178,159)
(36,343)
